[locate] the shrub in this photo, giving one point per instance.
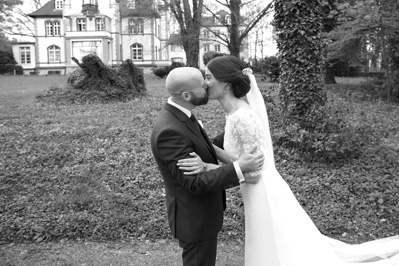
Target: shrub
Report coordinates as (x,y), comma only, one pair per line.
(8,64)
(160,72)
(329,138)
(164,71)
(377,88)
(19,70)
(10,68)
(176,65)
(208,56)
(270,67)
(132,76)
(97,82)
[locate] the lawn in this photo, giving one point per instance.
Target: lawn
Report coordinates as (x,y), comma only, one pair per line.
(85,172)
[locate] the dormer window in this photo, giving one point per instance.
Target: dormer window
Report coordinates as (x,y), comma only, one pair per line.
(218,20)
(227,20)
(131,4)
(90,2)
(136,26)
(59,4)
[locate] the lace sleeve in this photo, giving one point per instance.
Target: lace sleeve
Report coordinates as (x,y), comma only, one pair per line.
(246,134)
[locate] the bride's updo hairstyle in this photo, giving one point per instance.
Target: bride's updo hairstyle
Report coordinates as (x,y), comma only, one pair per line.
(229,69)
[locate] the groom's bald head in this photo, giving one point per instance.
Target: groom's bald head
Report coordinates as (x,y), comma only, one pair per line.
(183,79)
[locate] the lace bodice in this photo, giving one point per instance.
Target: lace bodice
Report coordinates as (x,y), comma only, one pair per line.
(244,130)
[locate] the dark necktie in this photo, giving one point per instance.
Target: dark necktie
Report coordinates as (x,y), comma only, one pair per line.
(199,128)
(195,121)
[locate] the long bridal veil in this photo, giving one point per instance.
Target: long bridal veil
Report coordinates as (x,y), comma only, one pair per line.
(380,252)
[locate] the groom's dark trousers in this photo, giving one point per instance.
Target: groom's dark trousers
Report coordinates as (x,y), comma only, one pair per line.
(195,203)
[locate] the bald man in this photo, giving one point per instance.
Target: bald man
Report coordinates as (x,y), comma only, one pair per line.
(195,203)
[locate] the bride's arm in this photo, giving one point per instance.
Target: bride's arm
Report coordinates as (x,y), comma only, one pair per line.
(246,134)
(222,155)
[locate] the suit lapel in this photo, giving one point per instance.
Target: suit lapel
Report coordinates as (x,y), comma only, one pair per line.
(192,127)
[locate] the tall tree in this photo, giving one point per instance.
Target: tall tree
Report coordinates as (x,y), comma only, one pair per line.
(234,38)
(6,6)
(330,14)
(5,44)
(366,33)
(15,21)
(188,15)
(300,43)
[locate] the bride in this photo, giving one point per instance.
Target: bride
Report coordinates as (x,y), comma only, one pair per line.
(278,232)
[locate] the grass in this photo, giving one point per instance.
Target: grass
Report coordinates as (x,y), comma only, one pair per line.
(21,90)
(70,173)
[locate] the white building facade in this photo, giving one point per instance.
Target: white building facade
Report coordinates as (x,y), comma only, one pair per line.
(114,31)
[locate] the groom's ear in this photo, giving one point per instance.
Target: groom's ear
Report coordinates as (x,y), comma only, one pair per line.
(186,96)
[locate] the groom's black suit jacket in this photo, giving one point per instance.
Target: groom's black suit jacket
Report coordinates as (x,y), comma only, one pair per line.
(195,203)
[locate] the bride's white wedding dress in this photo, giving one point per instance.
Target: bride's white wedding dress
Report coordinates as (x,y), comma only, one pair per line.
(278,232)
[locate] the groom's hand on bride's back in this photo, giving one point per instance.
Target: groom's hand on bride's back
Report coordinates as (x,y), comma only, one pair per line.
(252,161)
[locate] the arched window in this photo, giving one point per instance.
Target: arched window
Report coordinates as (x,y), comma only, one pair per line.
(136,51)
(54,54)
(136,26)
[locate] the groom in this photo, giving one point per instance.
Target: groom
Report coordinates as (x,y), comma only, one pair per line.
(195,203)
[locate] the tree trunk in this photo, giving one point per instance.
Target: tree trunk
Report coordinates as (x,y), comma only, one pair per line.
(191,48)
(329,77)
(235,42)
(190,28)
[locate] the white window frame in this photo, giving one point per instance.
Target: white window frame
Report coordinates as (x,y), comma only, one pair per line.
(131,4)
(24,53)
(206,47)
(100,24)
(81,24)
(136,26)
(54,54)
(59,4)
(227,19)
(56,28)
(49,28)
(136,51)
(217,47)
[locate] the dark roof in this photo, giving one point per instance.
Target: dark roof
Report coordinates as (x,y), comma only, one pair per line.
(23,43)
(48,10)
(142,9)
(223,13)
(140,13)
(212,21)
(175,39)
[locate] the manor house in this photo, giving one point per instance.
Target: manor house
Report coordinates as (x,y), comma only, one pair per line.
(144,31)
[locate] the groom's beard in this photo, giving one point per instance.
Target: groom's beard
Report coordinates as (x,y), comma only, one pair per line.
(199,100)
